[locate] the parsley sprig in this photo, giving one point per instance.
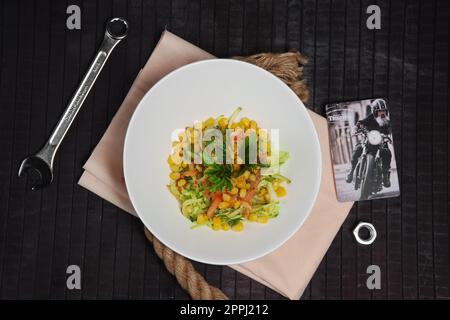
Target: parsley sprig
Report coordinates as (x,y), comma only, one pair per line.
(220,177)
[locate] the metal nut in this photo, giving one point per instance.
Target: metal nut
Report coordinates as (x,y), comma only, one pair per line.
(370,228)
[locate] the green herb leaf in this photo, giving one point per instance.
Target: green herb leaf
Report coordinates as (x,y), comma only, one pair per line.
(220,177)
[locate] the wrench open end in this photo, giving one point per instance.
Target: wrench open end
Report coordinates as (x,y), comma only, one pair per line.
(39,173)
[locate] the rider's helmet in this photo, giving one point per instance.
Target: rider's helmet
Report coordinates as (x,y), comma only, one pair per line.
(379,108)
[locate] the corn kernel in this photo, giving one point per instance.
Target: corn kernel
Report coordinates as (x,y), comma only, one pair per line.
(224,205)
(217,220)
(263,219)
(263,191)
(248,186)
(240,184)
(238,227)
(188,210)
(208,123)
(223,123)
(246,174)
(181,182)
(225,226)
(245,122)
(252,178)
(253,124)
(242,193)
(236,204)
(233,125)
(174,167)
(184,165)
(175,175)
(216,227)
(267,197)
(281,192)
(234,191)
(252,217)
(202,218)
(226,197)
(170,160)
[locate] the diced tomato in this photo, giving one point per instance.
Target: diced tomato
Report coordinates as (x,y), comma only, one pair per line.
(212,208)
(252,191)
(247,206)
(191,173)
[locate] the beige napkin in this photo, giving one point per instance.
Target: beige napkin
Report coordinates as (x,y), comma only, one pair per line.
(288,269)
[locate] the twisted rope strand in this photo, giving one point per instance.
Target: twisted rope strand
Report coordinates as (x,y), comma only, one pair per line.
(183,270)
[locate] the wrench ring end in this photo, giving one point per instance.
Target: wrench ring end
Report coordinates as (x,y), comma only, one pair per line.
(117,28)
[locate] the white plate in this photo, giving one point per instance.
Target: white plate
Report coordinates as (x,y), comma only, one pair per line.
(196,92)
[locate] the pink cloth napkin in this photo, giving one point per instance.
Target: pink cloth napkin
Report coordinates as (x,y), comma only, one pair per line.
(288,269)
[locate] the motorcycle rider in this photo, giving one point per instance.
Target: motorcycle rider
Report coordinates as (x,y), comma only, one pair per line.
(377,120)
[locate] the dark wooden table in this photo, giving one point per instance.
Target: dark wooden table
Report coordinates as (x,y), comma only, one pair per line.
(407,61)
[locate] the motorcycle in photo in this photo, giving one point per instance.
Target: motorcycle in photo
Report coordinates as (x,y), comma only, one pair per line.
(368,173)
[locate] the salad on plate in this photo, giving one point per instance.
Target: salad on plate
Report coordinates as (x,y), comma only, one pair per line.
(224,172)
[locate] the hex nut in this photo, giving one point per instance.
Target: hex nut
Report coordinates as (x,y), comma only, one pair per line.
(372,233)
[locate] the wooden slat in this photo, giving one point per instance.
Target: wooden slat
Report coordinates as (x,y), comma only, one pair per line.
(365,90)
(137,243)
(228,282)
(440,151)
(65,166)
(108,226)
(12,260)
(336,63)
(54,108)
(293,24)
(425,248)
(99,112)
(207,15)
(395,96)
(279,25)
(321,76)
(221,27)
(408,187)
(380,89)
(250,27)
(120,81)
(236,27)
(37,107)
(264,36)
(79,216)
